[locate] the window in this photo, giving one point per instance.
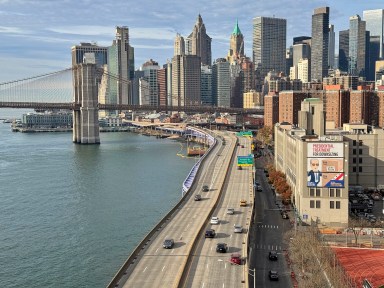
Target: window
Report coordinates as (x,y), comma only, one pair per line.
(354,142)
(312,204)
(317,203)
(338,192)
(337,204)
(354,169)
(332,204)
(360,160)
(354,160)
(354,151)
(360,169)
(331,193)
(312,192)
(318,192)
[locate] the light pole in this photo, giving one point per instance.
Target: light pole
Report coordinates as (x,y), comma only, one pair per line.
(249,269)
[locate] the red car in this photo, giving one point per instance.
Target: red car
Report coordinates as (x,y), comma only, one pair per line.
(235,259)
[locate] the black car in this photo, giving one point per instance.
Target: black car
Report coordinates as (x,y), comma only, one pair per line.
(272,255)
(284,215)
(197,197)
(168,243)
(221,248)
(273,275)
(205,188)
(210,233)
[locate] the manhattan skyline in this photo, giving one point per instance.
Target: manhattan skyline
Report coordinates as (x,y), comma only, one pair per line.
(36,37)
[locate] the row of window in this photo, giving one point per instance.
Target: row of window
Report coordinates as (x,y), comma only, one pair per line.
(333,192)
(317,204)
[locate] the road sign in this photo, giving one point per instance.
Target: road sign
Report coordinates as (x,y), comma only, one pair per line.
(244,134)
(244,161)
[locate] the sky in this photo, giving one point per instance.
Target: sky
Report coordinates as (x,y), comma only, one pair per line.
(36,36)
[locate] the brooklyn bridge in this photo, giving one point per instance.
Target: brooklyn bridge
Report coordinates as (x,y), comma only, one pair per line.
(77,89)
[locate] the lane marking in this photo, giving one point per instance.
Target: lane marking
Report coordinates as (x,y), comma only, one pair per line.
(163,269)
(145,269)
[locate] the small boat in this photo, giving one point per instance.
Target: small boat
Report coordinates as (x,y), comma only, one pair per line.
(195,151)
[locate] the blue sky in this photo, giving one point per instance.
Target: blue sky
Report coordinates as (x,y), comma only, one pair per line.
(36,36)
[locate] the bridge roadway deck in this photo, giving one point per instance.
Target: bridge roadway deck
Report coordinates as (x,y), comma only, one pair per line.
(159,267)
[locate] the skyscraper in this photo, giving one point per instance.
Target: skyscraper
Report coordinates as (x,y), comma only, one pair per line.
(186,81)
(320,43)
(151,96)
(331,47)
(118,62)
(179,45)
(357,46)
(269,43)
(206,85)
(375,25)
(343,50)
(199,43)
(79,51)
(236,45)
(221,83)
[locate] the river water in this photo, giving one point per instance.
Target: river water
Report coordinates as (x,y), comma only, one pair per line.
(71,214)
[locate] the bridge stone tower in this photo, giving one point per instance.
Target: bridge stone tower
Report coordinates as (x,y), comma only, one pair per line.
(85,120)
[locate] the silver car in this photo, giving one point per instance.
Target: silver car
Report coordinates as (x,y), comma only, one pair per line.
(238,228)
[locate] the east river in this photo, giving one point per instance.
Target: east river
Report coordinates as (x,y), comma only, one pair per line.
(71,214)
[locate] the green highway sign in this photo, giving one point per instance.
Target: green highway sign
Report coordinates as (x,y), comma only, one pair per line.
(244,134)
(244,161)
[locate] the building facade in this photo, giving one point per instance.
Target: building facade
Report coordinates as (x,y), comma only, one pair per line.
(271,109)
(289,105)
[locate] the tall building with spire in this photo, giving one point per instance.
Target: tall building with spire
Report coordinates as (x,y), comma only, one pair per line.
(236,45)
(179,45)
(199,43)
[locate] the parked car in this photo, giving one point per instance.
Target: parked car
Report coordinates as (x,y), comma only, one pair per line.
(273,275)
(239,168)
(168,243)
(230,211)
(272,255)
(205,188)
(215,220)
(210,233)
(221,248)
(197,197)
(235,259)
(238,228)
(285,215)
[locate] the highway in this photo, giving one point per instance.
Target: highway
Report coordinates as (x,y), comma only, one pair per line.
(209,268)
(164,267)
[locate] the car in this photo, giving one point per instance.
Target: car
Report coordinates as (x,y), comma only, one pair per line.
(230,211)
(243,203)
(272,255)
(258,188)
(238,228)
(285,215)
(235,259)
(221,248)
(215,220)
(210,233)
(168,243)
(239,168)
(197,197)
(257,183)
(242,146)
(205,188)
(273,275)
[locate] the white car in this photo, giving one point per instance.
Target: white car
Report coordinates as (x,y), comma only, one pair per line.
(230,211)
(215,220)
(238,228)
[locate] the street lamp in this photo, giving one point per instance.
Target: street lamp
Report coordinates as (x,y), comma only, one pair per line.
(249,269)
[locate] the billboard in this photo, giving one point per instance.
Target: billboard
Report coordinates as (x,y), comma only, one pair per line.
(244,134)
(325,165)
